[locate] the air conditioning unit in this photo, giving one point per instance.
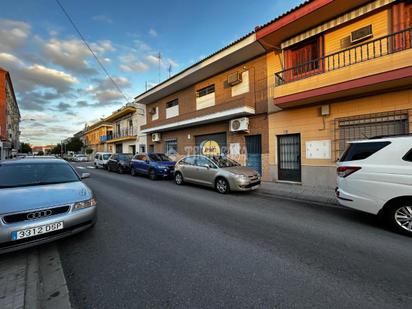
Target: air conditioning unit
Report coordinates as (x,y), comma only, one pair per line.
(234,79)
(239,125)
(156,137)
(361,34)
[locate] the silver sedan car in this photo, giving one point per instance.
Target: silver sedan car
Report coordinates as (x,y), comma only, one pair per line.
(41,201)
(217,172)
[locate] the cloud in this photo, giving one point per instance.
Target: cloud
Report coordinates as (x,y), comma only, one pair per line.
(13,34)
(73,55)
(105,92)
(103,18)
(153,32)
(9,60)
(129,63)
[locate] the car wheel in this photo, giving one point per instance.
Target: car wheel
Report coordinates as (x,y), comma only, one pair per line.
(152,174)
(179,178)
(399,217)
(222,186)
(95,166)
(120,169)
(132,172)
(109,169)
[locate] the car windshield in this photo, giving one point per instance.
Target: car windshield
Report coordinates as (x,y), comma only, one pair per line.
(224,162)
(106,156)
(159,157)
(125,157)
(31,174)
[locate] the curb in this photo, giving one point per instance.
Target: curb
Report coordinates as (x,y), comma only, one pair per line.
(46,285)
(299,198)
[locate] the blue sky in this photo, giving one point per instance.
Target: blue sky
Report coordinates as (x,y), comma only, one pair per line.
(59,85)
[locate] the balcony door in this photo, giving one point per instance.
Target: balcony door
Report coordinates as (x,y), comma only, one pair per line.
(304,59)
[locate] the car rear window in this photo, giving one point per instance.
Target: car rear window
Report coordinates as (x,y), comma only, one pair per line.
(408,156)
(19,175)
(361,151)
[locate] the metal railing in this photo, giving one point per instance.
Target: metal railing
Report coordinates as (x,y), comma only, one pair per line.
(380,47)
(123,132)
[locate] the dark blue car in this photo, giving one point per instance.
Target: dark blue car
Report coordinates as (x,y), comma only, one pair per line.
(155,165)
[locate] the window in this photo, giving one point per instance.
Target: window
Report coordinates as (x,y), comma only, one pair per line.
(361,151)
(202,161)
(172,108)
(188,161)
(172,103)
(141,157)
(171,147)
(205,91)
(303,58)
(408,156)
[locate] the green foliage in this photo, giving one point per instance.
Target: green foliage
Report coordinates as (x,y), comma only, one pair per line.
(74,144)
(25,148)
(40,153)
(89,151)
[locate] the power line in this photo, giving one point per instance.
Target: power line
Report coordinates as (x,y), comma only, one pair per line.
(92,52)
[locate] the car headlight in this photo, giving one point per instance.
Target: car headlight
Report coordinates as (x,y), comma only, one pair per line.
(85,204)
(243,178)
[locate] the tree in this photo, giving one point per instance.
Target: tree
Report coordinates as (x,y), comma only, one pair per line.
(89,151)
(57,149)
(74,144)
(40,153)
(25,148)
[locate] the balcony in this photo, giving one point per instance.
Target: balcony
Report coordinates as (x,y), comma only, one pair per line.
(122,134)
(314,80)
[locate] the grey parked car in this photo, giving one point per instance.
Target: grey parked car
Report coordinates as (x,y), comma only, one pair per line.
(41,201)
(220,173)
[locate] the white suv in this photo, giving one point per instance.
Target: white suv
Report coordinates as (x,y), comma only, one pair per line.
(375,176)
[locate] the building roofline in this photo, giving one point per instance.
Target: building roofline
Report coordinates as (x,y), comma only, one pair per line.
(12,88)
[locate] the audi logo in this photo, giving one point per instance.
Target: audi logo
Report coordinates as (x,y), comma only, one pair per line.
(39,214)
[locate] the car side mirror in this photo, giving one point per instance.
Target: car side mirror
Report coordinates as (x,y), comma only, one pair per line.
(85,175)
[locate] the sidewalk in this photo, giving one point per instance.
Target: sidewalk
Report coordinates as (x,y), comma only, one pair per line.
(32,279)
(321,195)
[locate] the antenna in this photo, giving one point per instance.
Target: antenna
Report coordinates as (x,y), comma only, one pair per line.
(160,60)
(170,70)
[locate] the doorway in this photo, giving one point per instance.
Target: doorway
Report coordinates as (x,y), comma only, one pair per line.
(289,160)
(254,152)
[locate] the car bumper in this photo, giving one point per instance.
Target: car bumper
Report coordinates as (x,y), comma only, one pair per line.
(357,202)
(165,172)
(73,222)
(250,186)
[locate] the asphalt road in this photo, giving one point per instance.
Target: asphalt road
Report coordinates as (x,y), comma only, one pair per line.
(157,245)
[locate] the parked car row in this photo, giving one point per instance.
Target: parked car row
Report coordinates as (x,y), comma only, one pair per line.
(217,172)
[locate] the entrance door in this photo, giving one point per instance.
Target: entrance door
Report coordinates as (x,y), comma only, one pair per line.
(119,148)
(254,152)
(289,163)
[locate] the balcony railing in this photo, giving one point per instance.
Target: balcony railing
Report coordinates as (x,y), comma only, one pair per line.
(123,132)
(377,48)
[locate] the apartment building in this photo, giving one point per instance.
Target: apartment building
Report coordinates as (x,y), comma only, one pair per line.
(9,118)
(126,136)
(96,135)
(338,71)
(217,106)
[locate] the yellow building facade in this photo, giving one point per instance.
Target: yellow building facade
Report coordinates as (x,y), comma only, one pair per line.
(96,136)
(348,77)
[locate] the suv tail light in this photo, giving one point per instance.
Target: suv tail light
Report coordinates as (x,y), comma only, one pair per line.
(345,171)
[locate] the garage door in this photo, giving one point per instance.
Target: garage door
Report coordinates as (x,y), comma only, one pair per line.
(370,126)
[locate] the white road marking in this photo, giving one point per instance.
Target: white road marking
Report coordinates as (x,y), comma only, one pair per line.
(81,167)
(90,166)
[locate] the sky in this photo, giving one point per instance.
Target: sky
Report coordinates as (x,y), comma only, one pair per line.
(59,85)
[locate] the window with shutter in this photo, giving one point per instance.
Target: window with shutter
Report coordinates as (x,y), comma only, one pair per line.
(304,59)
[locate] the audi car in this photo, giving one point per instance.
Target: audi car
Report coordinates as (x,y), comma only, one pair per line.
(42,201)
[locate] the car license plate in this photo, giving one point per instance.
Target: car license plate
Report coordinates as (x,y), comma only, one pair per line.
(38,230)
